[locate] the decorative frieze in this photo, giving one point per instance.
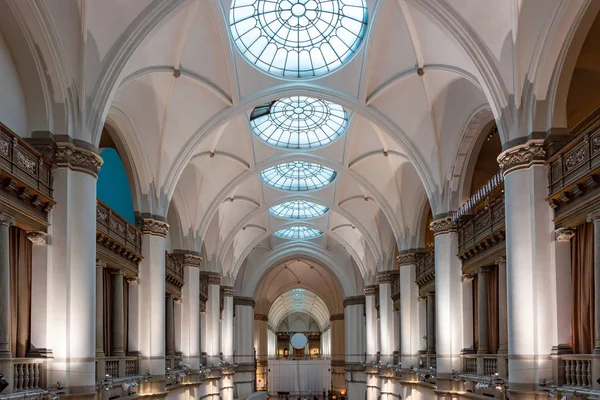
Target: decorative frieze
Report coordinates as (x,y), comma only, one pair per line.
(443,225)
(564,234)
(336,317)
(69,155)
(522,156)
(261,317)
(354,301)
(151,226)
(243,301)
(38,238)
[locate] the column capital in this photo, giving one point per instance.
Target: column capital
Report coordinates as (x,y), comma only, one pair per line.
(522,156)
(565,234)
(76,158)
(336,317)
(187,258)
(422,298)
(177,300)
(261,317)
(354,301)
(37,237)
(372,290)
(409,258)
(151,226)
(467,278)
(211,279)
(100,263)
(386,276)
(594,216)
(227,291)
(500,260)
(133,281)
(6,219)
(442,226)
(243,301)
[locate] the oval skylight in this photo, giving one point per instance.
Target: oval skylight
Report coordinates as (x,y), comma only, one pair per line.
(298,209)
(298,38)
(299,122)
(298,232)
(298,176)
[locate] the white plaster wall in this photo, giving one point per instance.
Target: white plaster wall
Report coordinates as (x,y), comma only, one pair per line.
(12,100)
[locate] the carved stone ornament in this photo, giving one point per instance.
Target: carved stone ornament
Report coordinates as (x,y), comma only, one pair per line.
(214,279)
(261,317)
(500,260)
(387,277)
(468,278)
(372,290)
(354,301)
(134,281)
(68,155)
(594,217)
(243,301)
(177,300)
(227,291)
(442,226)
(522,156)
(564,234)
(407,259)
(151,226)
(100,264)
(337,317)
(188,259)
(6,219)
(37,237)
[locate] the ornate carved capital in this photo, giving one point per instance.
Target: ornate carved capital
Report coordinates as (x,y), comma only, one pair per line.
(354,301)
(593,217)
(522,156)
(134,281)
(468,278)
(6,219)
(564,234)
(76,158)
(442,226)
(407,259)
(243,301)
(500,260)
(372,290)
(100,264)
(151,226)
(213,279)
(37,237)
(387,277)
(227,291)
(261,317)
(177,300)
(337,317)
(187,259)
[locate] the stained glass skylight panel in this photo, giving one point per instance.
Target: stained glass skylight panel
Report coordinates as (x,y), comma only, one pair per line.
(298,232)
(298,209)
(298,176)
(299,122)
(298,38)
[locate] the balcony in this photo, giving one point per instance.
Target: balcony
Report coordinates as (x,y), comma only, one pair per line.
(116,236)
(425,268)
(117,367)
(485,365)
(26,376)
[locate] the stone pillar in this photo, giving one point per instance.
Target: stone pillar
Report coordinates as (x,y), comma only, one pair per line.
(5,222)
(595,219)
(213,320)
(41,325)
(100,266)
(386,315)
(133,334)
(227,340)
(448,297)
(372,334)
(355,340)
(410,337)
(261,344)
(482,311)
(190,307)
(118,306)
(422,325)
(431,334)
(72,277)
(152,294)
(177,328)
(531,317)
(561,249)
(503,308)
(169,326)
(468,346)
(245,375)
(336,344)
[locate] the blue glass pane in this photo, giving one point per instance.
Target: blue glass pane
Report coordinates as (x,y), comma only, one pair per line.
(298,176)
(298,232)
(298,209)
(298,38)
(113,187)
(299,122)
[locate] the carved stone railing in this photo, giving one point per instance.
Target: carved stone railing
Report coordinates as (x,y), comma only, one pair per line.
(576,370)
(485,364)
(24,374)
(118,235)
(117,367)
(25,172)
(425,268)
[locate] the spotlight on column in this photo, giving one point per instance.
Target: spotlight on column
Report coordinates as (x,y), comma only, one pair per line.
(3,383)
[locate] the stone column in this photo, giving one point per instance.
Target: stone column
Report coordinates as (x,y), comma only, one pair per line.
(468,346)
(118,305)
(448,297)
(41,326)
(431,334)
(5,222)
(169,325)
(373,385)
(355,340)
(213,320)
(561,249)
(386,315)
(422,325)
(72,277)
(482,311)
(190,306)
(531,315)
(133,334)
(244,378)
(503,308)
(177,328)
(595,219)
(100,266)
(261,344)
(227,340)
(410,337)
(152,294)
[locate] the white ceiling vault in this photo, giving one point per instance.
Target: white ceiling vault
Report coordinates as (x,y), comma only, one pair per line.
(424,69)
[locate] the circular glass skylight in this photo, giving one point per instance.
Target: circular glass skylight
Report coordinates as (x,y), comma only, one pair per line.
(298,232)
(298,209)
(298,176)
(298,38)
(299,122)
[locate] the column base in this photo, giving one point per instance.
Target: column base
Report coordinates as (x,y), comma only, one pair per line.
(43,353)
(503,350)
(561,349)
(5,354)
(596,350)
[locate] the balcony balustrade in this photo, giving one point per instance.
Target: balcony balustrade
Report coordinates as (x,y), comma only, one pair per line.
(25,374)
(117,367)
(118,235)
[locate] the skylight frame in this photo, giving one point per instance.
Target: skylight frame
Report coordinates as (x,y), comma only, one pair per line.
(298,210)
(298,232)
(298,176)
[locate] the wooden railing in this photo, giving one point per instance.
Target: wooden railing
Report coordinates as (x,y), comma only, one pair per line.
(117,228)
(425,267)
(478,200)
(24,162)
(117,367)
